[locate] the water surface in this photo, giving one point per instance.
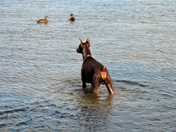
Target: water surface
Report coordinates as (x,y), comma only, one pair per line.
(40,83)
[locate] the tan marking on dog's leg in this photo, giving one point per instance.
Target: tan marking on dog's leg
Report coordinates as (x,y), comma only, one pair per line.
(95,91)
(103,73)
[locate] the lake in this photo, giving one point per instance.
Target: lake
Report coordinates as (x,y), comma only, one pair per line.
(40,70)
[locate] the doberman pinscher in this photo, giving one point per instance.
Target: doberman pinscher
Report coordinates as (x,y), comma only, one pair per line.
(93,71)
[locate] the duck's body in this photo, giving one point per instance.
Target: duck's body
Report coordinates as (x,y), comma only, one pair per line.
(72,19)
(43,20)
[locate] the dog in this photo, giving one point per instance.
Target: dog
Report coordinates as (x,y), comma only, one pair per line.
(93,71)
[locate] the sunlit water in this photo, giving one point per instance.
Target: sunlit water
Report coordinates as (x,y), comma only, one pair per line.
(40,83)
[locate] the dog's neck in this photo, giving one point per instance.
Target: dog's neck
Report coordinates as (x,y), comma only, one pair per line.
(86,52)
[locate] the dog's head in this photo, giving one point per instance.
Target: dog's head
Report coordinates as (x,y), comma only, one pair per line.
(82,45)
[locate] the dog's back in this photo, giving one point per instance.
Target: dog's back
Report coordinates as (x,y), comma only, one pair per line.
(91,67)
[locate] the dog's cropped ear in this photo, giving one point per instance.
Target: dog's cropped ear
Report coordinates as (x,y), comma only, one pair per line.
(88,41)
(80,40)
(81,44)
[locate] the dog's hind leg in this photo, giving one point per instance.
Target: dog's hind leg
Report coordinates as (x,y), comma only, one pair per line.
(107,80)
(108,83)
(95,84)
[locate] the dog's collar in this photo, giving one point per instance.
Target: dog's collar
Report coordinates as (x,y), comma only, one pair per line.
(87,57)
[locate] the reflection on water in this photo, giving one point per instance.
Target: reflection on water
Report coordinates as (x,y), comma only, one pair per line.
(40,83)
(94,113)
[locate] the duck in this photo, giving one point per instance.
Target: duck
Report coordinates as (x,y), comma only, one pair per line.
(72,19)
(43,20)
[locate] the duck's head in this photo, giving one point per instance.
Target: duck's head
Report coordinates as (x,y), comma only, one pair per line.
(71,15)
(46,17)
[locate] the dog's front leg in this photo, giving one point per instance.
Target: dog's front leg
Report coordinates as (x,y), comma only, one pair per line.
(83,84)
(83,78)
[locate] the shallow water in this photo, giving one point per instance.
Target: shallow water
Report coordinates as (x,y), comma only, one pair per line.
(40,83)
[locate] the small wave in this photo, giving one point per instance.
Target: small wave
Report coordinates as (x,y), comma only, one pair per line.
(25,122)
(131,83)
(13,110)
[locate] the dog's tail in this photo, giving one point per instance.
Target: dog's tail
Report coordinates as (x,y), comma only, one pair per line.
(104,73)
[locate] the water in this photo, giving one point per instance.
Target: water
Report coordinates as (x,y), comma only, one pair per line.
(40,83)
